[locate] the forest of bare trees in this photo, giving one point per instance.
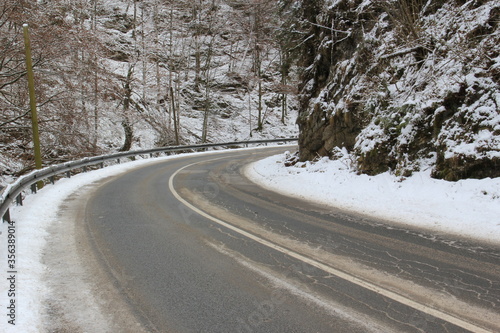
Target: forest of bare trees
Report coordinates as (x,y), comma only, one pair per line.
(107,72)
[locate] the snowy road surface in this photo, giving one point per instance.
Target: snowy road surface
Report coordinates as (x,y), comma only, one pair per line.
(189,244)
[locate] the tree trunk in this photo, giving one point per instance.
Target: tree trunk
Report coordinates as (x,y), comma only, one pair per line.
(176,120)
(129,134)
(284,76)
(127,127)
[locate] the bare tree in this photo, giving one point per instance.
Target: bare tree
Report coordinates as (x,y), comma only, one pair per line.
(127,99)
(61,64)
(261,27)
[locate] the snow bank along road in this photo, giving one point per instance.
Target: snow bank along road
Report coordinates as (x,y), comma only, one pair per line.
(191,245)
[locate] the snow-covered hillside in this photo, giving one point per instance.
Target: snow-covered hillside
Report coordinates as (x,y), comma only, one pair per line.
(402,84)
(123,74)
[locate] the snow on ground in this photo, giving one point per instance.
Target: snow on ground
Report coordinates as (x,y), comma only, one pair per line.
(32,225)
(467,208)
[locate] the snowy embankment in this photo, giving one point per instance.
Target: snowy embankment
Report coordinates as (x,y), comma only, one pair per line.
(31,289)
(467,208)
(38,226)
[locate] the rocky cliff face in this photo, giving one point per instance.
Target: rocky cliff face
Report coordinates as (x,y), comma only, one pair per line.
(403,85)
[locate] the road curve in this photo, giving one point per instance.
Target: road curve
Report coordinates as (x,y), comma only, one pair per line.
(195,247)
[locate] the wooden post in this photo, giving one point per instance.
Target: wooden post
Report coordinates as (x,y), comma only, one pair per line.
(34,116)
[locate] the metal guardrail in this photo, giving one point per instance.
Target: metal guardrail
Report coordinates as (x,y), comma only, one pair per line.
(13,192)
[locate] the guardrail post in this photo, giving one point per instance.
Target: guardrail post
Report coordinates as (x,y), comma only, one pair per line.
(118,160)
(52,180)
(68,174)
(101,165)
(33,188)
(85,169)
(6,216)
(19,200)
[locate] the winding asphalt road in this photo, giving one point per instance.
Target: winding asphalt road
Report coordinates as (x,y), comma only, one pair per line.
(196,247)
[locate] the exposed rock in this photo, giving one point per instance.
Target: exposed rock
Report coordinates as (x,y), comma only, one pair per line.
(402,91)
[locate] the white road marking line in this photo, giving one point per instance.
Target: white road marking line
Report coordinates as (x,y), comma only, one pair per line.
(341,274)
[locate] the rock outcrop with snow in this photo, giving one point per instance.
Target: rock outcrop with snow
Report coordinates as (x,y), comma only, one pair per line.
(402,84)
